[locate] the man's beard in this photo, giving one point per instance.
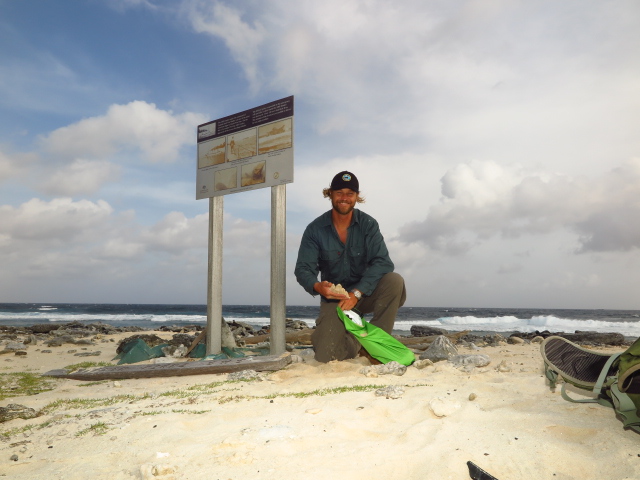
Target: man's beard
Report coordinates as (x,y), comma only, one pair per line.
(343,208)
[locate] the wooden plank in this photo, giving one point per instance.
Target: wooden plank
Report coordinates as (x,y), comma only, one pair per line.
(199,367)
(196,341)
(302,337)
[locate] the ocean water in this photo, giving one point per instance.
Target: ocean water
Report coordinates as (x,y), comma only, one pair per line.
(477,320)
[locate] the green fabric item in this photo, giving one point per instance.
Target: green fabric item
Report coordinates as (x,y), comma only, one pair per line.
(377,342)
(138,351)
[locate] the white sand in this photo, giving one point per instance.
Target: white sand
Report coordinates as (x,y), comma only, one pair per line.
(514,429)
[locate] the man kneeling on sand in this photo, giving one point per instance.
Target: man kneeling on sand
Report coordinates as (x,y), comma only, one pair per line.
(346,247)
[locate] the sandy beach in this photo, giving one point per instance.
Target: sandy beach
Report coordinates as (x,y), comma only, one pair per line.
(312,421)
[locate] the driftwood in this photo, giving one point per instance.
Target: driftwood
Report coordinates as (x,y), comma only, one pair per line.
(196,341)
(303,337)
(201,367)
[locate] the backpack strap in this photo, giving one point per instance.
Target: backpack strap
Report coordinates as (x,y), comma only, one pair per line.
(624,406)
(603,381)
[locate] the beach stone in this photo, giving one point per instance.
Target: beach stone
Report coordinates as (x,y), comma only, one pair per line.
(174,351)
(472,397)
(296,324)
(424,331)
(420,364)
(443,407)
(515,340)
(87,354)
(228,340)
(151,472)
(14,347)
(392,391)
(31,340)
(54,342)
(297,359)
(21,353)
(440,349)
(537,339)
(393,368)
(495,340)
(473,360)
(503,367)
(14,410)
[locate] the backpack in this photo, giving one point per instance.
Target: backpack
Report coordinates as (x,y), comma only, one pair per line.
(614,379)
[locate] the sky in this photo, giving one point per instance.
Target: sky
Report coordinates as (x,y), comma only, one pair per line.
(496,143)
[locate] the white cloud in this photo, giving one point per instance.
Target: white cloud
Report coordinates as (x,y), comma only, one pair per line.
(60,219)
(15,165)
(512,82)
(176,233)
(243,40)
(137,126)
(81,177)
(483,199)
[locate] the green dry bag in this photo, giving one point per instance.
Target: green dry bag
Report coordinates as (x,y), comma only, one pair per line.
(376,341)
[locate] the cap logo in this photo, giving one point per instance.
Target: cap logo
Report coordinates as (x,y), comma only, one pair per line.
(346,177)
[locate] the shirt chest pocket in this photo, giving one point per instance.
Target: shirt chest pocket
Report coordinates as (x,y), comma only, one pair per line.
(330,258)
(358,260)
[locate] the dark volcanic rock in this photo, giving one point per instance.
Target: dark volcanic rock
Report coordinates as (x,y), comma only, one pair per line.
(422,331)
(13,410)
(150,339)
(595,338)
(583,338)
(44,328)
(183,339)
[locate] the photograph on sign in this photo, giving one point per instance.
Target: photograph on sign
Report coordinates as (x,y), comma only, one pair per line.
(253,173)
(247,150)
(242,145)
(226,179)
(275,136)
(211,152)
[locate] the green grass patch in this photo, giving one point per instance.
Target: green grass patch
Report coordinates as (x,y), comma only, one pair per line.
(192,412)
(99,428)
(78,366)
(23,383)
(91,384)
(86,403)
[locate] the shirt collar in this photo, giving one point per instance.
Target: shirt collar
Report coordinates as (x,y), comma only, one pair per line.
(326,218)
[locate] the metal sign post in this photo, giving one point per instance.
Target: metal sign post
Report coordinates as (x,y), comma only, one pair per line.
(278,267)
(214,277)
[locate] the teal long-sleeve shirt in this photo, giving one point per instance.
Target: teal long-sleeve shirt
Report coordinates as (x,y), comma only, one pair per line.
(360,264)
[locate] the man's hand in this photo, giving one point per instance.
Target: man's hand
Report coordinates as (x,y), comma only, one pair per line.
(347,300)
(328,290)
(349,303)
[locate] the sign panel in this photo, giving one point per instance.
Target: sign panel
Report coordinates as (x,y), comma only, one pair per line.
(249,150)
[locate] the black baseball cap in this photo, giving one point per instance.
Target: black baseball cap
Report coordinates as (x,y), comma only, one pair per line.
(345,180)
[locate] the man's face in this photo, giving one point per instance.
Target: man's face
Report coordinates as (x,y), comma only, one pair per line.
(343,200)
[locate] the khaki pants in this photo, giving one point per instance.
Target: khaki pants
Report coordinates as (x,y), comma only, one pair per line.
(330,339)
